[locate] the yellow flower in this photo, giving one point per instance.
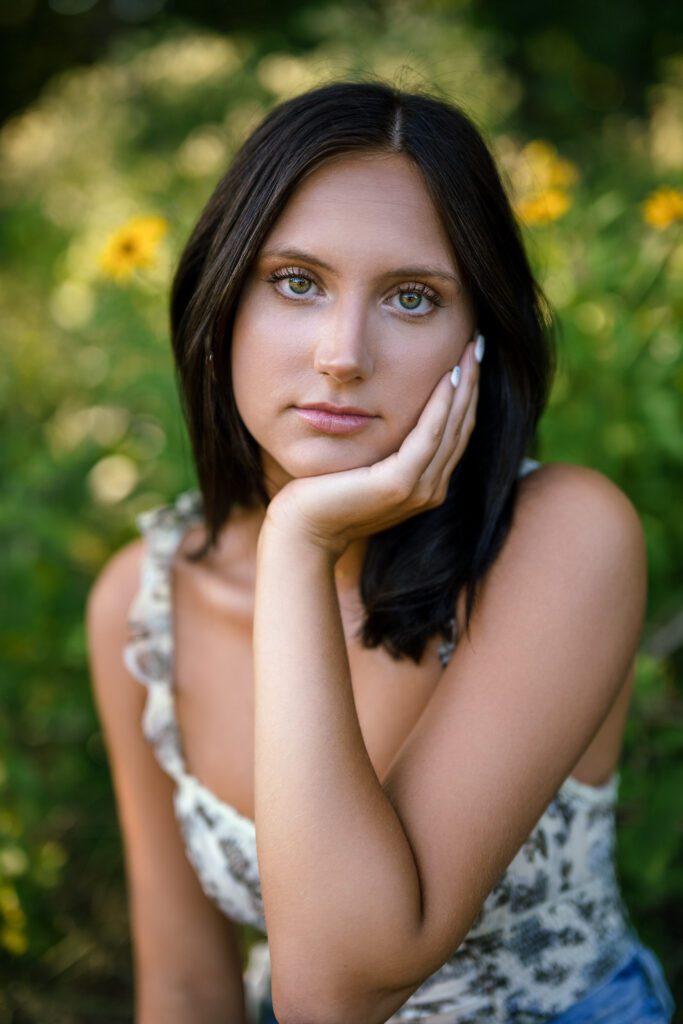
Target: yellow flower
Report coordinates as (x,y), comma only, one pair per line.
(544,207)
(563,173)
(131,246)
(12,922)
(663,207)
(541,181)
(545,169)
(13,941)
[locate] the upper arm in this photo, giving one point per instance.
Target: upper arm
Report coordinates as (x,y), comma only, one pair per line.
(552,636)
(181,940)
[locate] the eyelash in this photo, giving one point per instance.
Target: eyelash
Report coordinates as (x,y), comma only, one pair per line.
(417,287)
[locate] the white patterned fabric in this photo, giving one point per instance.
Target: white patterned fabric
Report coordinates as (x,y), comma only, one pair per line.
(552,928)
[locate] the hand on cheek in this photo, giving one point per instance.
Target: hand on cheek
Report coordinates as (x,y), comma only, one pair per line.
(333,509)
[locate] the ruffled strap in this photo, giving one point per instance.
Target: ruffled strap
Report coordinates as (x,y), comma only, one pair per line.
(527,465)
(148,653)
(446,647)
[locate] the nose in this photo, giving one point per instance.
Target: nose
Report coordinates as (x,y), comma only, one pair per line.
(343,351)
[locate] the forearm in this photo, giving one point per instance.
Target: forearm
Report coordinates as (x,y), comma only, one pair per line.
(166,1002)
(170,992)
(338,877)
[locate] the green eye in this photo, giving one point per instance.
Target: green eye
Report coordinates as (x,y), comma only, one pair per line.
(298,278)
(291,274)
(413,293)
(419,291)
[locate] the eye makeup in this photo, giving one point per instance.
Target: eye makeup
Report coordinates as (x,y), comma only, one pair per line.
(413,287)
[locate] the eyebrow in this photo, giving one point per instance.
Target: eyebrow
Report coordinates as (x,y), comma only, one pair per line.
(291,253)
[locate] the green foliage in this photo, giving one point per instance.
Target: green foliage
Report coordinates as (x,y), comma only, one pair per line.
(92,432)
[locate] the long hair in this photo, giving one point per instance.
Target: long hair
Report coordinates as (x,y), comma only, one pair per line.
(414,571)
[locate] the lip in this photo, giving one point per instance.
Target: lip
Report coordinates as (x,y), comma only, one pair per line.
(329,420)
(338,410)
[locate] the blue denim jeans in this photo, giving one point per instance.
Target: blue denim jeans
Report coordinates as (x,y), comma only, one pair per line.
(266,1015)
(636,993)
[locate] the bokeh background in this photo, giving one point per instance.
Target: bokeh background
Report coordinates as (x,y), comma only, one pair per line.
(118,118)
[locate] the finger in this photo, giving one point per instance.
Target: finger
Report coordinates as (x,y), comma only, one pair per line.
(417,451)
(460,406)
(431,484)
(463,440)
(448,459)
(464,435)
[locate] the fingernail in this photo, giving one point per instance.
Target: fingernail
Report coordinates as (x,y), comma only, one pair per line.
(479,347)
(455,376)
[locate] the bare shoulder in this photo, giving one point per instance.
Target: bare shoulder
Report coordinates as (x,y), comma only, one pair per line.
(579,531)
(118,578)
(559,496)
(106,612)
(571,527)
(566,477)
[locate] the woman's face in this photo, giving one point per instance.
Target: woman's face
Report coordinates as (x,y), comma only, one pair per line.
(369,312)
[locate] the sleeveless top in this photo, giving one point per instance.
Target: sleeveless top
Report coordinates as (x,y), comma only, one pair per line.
(553,927)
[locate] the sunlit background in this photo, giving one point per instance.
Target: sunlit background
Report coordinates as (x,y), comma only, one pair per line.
(119,118)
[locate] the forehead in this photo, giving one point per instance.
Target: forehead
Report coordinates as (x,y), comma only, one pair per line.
(378,200)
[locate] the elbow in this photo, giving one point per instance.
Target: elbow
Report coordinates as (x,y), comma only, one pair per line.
(301,1009)
(294,1018)
(305,1007)
(306,990)
(322,1016)
(370,1009)
(301,1015)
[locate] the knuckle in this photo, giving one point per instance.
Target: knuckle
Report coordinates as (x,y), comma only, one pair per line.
(421,492)
(438,496)
(424,492)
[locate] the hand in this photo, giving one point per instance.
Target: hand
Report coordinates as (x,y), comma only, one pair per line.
(333,509)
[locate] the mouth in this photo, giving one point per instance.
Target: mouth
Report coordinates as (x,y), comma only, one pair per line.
(333,422)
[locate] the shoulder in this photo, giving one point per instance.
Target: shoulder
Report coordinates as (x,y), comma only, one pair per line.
(561,499)
(573,527)
(107,610)
(117,581)
(576,529)
(115,585)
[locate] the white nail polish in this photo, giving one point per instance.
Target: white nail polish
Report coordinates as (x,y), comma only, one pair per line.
(455,376)
(480,345)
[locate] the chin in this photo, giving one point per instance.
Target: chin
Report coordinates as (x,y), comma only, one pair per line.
(331,462)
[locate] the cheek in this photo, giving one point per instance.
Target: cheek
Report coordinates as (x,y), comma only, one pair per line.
(410,392)
(256,360)
(254,383)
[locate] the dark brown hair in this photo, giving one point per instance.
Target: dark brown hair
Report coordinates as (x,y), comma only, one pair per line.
(413,571)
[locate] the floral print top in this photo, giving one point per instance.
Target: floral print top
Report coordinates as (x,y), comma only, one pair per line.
(553,927)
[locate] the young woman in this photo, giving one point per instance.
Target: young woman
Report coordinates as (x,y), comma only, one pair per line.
(387,658)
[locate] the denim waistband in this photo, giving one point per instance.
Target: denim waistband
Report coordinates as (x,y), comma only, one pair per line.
(635,993)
